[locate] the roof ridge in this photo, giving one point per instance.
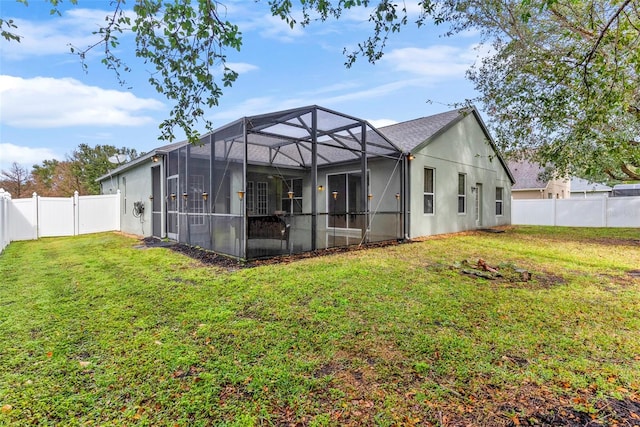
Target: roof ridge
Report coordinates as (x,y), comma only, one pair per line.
(423,117)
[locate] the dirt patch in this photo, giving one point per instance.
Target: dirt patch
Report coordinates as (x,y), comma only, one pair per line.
(634,273)
(357,395)
(629,278)
(495,230)
(546,280)
(606,412)
(612,241)
(354,395)
(503,273)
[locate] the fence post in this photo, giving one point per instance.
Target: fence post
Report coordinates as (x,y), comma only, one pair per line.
(76,214)
(35,220)
(554,211)
(5,238)
(605,210)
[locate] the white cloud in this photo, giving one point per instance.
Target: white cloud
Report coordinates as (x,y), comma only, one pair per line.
(54,35)
(45,102)
(437,62)
(24,156)
(249,107)
(273,27)
(241,67)
(262,105)
(257,18)
(337,87)
(379,123)
(372,92)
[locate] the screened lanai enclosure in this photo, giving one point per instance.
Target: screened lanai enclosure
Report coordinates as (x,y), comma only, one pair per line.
(283,183)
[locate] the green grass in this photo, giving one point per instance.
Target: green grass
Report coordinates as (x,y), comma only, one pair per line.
(94,331)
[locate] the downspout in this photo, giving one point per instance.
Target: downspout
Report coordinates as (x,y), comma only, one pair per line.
(407,197)
(314,179)
(163,197)
(209,203)
(364,199)
(243,203)
(185,190)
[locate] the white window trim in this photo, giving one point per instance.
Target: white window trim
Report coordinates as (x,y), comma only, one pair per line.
(501,202)
(285,194)
(195,203)
(432,194)
(463,195)
(262,198)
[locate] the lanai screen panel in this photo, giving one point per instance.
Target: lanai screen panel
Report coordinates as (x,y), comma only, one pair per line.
(183,234)
(288,211)
(340,138)
(198,189)
(262,186)
(227,192)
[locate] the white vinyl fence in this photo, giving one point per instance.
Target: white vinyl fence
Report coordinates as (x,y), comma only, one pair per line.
(5,204)
(27,219)
(587,212)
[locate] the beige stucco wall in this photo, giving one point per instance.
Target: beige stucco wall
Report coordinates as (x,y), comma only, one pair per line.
(555,189)
(461,149)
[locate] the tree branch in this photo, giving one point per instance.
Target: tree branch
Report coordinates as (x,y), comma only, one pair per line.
(631,174)
(617,13)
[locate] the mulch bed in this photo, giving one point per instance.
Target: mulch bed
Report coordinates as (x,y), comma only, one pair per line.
(213,259)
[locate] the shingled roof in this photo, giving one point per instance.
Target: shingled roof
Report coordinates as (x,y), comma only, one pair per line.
(579,185)
(527,175)
(417,133)
(405,136)
(408,135)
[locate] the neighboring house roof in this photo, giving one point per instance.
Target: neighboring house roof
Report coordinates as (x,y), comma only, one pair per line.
(579,185)
(527,175)
(416,134)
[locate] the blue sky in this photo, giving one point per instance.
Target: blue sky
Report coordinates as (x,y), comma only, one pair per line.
(49,104)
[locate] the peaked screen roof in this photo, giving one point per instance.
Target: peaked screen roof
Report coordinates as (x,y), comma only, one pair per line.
(287,137)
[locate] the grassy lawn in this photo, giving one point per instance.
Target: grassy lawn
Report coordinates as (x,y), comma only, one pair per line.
(95,331)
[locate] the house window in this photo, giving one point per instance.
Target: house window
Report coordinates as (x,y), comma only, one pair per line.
(250,196)
(262,199)
(196,203)
(294,204)
(429,191)
(499,192)
(462,193)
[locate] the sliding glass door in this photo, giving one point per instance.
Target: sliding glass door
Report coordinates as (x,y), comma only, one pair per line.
(346,208)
